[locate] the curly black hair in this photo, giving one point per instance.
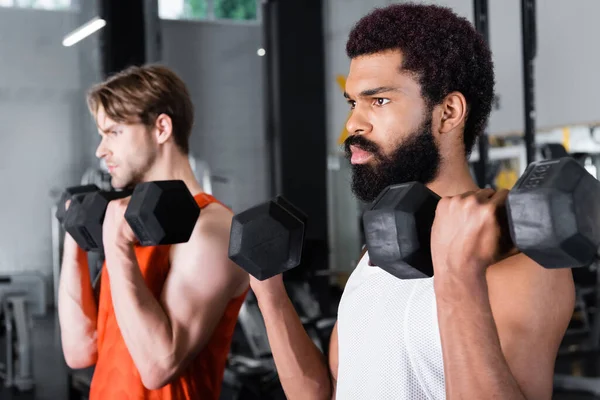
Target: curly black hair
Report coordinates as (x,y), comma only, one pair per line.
(443,50)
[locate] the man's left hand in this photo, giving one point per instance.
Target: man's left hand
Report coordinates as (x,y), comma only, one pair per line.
(115,229)
(469,233)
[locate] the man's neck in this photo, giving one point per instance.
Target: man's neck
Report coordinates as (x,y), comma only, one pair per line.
(453,180)
(174,167)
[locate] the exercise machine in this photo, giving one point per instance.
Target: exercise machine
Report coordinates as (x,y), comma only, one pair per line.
(16,355)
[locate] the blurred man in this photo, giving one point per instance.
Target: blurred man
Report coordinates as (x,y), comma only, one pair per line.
(166,314)
(420,89)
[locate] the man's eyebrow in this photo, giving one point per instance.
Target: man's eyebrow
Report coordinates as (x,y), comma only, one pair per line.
(108,128)
(374,91)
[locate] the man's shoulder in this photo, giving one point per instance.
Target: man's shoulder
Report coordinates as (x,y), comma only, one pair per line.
(212,228)
(213,222)
(208,245)
(529,273)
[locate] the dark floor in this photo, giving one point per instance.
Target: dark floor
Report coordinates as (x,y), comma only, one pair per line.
(49,368)
(50,371)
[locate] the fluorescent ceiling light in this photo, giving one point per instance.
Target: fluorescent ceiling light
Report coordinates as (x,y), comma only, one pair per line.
(83,31)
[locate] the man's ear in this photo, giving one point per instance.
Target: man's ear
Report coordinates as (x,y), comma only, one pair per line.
(453,112)
(164,128)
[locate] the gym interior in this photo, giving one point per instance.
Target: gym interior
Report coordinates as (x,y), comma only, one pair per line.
(267,80)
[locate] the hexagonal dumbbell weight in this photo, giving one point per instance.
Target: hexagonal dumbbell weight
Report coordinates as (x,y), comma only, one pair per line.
(84,218)
(397,230)
(267,239)
(554,214)
(162,212)
(73,194)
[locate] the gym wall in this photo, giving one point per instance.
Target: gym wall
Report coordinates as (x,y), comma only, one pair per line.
(219,63)
(40,138)
(565,77)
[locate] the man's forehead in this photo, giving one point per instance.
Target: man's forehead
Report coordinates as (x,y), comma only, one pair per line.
(378,70)
(103,121)
(358,83)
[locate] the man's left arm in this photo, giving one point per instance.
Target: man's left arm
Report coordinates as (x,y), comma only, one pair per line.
(163,335)
(500,333)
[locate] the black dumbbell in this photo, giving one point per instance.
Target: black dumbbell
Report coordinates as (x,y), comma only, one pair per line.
(159,212)
(71,193)
(267,239)
(162,212)
(552,212)
(84,218)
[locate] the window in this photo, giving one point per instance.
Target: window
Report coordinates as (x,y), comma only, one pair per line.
(40,4)
(241,10)
(235,9)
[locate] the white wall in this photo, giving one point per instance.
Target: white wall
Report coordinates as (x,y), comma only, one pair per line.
(566,77)
(40,138)
(219,63)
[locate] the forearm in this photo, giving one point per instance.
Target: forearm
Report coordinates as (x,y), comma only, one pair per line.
(77,308)
(301,367)
(142,321)
(474,365)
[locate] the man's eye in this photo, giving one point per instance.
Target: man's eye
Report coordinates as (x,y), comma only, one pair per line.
(382,101)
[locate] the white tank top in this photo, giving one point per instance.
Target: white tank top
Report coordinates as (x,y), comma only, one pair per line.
(388,338)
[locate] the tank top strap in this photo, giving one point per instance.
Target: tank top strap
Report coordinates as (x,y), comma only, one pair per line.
(205,199)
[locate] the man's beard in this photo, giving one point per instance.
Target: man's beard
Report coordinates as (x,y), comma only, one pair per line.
(415,159)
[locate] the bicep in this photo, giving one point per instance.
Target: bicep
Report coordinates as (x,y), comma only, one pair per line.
(531,362)
(531,318)
(333,358)
(196,293)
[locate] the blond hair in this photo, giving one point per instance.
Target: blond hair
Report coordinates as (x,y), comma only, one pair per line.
(139,94)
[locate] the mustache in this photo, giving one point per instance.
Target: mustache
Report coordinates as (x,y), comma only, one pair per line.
(362,143)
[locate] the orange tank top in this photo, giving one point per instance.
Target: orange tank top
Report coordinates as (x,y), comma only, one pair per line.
(116,376)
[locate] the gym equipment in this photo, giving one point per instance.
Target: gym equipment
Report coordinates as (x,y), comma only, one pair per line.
(398,227)
(22,296)
(162,212)
(70,194)
(551,211)
(16,367)
(159,212)
(267,239)
(202,173)
(79,383)
(31,285)
(250,372)
(553,151)
(84,218)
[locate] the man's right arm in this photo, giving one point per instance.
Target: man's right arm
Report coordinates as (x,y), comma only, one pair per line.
(302,368)
(77,308)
